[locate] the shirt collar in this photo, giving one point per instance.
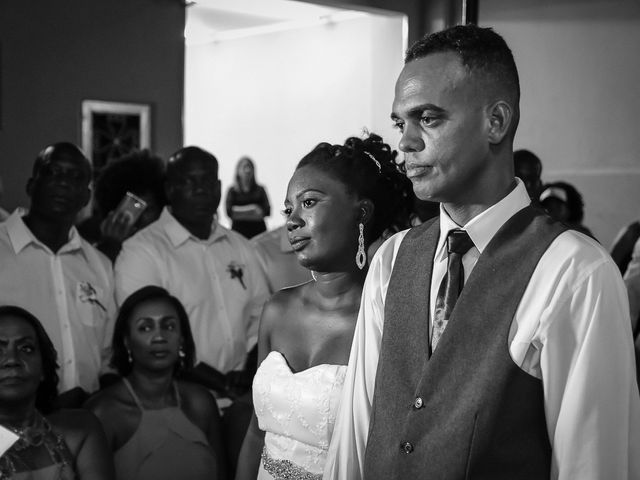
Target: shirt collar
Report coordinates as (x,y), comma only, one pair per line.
(179,235)
(484,226)
(21,236)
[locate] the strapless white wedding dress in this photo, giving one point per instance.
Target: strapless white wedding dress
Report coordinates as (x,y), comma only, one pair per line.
(297,411)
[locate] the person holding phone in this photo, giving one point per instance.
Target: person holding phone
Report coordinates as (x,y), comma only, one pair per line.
(129,195)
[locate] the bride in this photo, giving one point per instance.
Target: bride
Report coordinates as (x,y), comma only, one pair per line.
(340,199)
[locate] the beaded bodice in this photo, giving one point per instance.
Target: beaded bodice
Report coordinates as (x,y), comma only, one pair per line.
(38,440)
(297,411)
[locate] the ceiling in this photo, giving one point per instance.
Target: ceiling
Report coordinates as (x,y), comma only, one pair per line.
(211,20)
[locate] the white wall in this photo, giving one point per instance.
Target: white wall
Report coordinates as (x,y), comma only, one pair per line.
(579,66)
(277,95)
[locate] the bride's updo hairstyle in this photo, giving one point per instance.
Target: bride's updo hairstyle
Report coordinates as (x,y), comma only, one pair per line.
(367,168)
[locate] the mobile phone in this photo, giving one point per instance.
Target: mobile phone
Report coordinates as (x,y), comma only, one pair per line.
(131,207)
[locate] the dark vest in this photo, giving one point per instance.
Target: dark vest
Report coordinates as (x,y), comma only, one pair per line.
(468,412)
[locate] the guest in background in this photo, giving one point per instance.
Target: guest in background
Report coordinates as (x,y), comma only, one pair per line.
(3,213)
(278,260)
(140,173)
(215,273)
(528,168)
(66,445)
(632,281)
(563,202)
(158,426)
(247,202)
(47,268)
(623,245)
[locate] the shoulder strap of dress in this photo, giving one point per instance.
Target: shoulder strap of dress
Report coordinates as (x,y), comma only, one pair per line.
(58,452)
(176,391)
(133,394)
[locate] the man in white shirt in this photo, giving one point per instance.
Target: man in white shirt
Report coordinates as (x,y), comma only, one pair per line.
(212,270)
(48,269)
(530,374)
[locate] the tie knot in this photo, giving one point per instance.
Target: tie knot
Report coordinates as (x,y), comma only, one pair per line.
(458,241)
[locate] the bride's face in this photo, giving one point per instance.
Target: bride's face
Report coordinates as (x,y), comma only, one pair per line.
(322,220)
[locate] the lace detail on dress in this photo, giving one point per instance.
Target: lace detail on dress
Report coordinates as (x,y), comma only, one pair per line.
(297,410)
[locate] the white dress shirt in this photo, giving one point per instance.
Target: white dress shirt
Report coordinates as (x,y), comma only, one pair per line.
(70,292)
(218,280)
(571,330)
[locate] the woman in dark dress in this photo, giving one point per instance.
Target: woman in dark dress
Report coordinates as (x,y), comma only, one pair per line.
(64,445)
(247,202)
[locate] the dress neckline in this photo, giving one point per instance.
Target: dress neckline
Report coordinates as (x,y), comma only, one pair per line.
(306,370)
(138,402)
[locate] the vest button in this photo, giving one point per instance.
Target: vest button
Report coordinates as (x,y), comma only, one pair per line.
(418,404)
(406,447)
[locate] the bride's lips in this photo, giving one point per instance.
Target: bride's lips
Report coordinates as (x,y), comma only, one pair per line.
(298,243)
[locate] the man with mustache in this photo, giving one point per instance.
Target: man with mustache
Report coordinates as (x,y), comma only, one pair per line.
(492,342)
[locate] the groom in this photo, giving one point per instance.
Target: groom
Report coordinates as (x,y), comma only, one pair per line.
(491,343)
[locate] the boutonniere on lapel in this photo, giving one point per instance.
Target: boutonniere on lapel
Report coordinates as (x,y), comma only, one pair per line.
(89,294)
(235,270)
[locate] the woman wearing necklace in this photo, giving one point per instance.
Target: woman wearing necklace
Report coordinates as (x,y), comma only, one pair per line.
(66,445)
(247,202)
(340,198)
(158,426)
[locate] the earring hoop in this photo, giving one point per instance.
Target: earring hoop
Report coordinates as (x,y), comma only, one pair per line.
(361,256)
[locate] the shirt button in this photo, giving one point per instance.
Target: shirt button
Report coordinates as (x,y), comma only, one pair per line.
(418,404)
(407,447)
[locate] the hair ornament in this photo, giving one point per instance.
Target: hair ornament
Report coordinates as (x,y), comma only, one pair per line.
(374,159)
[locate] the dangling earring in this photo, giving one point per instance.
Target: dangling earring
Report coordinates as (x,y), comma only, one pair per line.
(361,256)
(182,356)
(129,358)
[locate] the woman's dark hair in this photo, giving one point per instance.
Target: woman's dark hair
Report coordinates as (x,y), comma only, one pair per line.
(367,168)
(48,390)
(252,184)
(139,172)
(120,356)
(574,201)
